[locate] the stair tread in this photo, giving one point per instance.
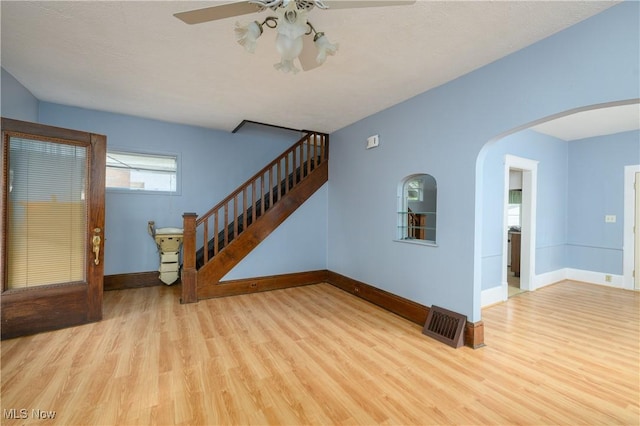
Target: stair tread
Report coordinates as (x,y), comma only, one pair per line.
(269,202)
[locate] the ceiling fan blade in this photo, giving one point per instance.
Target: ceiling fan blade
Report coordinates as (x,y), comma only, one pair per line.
(222,11)
(348,4)
(308,55)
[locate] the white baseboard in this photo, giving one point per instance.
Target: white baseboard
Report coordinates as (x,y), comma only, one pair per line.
(549,278)
(599,278)
(491,296)
(494,295)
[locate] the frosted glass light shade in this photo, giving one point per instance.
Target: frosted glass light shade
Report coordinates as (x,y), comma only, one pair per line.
(324,48)
(292,25)
(248,34)
(289,49)
(292,22)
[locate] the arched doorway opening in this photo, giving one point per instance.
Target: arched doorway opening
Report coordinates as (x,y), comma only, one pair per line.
(492,198)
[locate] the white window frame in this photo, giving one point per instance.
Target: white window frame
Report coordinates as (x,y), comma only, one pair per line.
(176,173)
(402,207)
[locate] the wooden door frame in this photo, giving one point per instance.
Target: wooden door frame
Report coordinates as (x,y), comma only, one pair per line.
(23,310)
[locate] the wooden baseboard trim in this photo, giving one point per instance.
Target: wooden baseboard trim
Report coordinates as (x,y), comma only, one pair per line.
(474,334)
(132,280)
(413,311)
(254,285)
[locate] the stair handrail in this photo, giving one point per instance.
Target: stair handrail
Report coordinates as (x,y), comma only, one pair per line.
(316,153)
(255,177)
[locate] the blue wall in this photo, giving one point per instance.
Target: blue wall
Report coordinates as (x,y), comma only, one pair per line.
(300,245)
(596,189)
(441,132)
(17,102)
(579,182)
(212,164)
(551,226)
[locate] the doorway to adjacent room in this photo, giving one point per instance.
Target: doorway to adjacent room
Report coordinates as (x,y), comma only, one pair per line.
(520,192)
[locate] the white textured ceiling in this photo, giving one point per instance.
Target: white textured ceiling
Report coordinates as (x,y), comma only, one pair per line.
(135,57)
(594,122)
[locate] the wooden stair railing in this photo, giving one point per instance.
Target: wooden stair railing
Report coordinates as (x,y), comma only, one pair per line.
(233,227)
(416,223)
(225,236)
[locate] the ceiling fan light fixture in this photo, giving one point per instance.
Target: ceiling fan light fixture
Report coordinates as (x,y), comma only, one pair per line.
(289,49)
(325,47)
(291,23)
(292,26)
(247,35)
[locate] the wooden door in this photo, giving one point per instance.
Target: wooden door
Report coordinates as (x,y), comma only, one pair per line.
(52,227)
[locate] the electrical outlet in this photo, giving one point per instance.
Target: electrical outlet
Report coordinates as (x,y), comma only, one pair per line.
(610,218)
(607,278)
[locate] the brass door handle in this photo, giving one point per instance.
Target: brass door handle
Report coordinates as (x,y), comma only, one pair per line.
(96,246)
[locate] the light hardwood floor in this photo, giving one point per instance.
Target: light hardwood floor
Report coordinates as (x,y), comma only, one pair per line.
(565,354)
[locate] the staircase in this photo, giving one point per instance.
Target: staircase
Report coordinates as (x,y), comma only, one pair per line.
(217,241)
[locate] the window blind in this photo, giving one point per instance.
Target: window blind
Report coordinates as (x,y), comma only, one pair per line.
(47,213)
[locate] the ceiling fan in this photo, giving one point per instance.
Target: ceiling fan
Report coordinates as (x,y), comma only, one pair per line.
(297,38)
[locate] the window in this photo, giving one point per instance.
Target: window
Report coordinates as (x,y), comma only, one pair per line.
(47,212)
(417,202)
(141,172)
(514,208)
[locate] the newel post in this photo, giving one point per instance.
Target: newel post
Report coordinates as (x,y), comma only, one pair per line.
(189,273)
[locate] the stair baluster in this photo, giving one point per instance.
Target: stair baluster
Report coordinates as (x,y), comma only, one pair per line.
(259,195)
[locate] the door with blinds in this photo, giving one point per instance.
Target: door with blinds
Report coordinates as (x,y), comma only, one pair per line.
(52,227)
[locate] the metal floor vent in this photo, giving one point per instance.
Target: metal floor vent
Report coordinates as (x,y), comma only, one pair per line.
(445,326)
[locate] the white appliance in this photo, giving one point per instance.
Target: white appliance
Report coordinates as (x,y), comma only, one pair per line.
(169,242)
